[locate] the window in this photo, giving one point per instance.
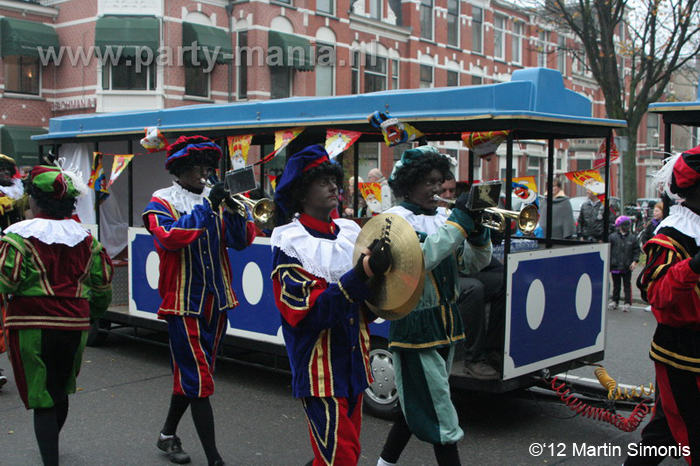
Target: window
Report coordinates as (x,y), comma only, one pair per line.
(561,55)
(375,9)
(452,78)
(477,29)
(196,81)
(355,68)
(325,61)
(325,6)
(584,164)
(242,65)
(375,73)
(426,76)
(517,42)
(124,76)
(22,74)
(369,158)
(477,80)
(533,166)
(499,37)
(280,82)
(394,74)
(652,129)
(426,19)
(542,40)
(453,22)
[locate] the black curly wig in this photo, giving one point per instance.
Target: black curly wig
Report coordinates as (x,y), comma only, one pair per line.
(301,185)
(207,158)
(410,175)
(56,208)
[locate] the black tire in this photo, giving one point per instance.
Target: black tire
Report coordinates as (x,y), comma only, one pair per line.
(98,333)
(382,398)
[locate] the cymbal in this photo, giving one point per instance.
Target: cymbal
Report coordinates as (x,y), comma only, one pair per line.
(396,293)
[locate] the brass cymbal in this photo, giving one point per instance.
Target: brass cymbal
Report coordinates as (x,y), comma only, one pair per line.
(396,293)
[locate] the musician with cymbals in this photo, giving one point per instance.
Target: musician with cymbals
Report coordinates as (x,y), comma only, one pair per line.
(423,342)
(191,230)
(320,291)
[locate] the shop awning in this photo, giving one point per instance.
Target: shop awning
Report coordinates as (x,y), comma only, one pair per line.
(132,33)
(207,37)
(16,142)
(289,50)
(19,37)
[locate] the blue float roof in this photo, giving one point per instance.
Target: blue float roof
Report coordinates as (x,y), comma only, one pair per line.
(533,96)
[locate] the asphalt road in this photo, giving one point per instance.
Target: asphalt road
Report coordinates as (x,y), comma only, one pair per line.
(125,386)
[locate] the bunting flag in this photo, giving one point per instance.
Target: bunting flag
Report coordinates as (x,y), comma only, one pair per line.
(97,178)
(394,131)
(525,187)
(284,137)
(238,147)
(484,143)
(338,141)
(118,166)
(589,179)
(273,182)
(154,140)
(372,193)
(599,160)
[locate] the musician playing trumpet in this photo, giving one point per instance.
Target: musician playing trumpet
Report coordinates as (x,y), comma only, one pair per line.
(319,292)
(423,342)
(191,231)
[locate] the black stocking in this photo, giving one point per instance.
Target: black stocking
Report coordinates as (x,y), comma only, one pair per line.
(203,418)
(46,431)
(447,454)
(178,406)
(396,441)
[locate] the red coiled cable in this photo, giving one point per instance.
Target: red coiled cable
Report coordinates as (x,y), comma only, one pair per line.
(629,424)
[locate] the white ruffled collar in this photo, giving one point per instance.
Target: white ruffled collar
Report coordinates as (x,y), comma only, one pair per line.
(427,224)
(684,220)
(180,198)
(67,231)
(325,258)
(15,190)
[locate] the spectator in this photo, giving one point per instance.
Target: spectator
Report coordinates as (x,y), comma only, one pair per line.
(375,176)
(624,255)
(350,200)
(657,216)
(563,225)
(590,220)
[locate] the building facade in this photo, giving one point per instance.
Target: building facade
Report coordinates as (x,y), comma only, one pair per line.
(125,55)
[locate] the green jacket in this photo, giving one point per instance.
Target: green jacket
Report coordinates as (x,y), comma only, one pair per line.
(435,321)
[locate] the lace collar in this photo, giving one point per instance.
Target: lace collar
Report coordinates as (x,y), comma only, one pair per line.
(684,220)
(15,190)
(180,198)
(422,223)
(50,231)
(325,258)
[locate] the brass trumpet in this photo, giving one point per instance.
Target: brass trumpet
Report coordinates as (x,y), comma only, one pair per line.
(495,218)
(263,210)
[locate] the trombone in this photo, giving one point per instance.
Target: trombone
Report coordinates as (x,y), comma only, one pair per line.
(495,218)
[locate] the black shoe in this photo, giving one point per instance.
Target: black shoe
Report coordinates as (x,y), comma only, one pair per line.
(173,447)
(3,379)
(480,370)
(219,463)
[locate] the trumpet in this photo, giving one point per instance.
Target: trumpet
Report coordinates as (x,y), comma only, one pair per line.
(495,218)
(262,210)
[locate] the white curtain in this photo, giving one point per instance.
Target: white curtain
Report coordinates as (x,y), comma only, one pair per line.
(114,226)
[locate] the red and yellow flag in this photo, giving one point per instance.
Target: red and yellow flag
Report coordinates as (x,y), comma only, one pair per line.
(238,147)
(589,179)
(339,140)
(118,166)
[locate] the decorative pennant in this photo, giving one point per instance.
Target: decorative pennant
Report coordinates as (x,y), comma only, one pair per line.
(599,160)
(372,193)
(154,140)
(238,147)
(525,187)
(338,141)
(394,131)
(273,182)
(97,178)
(589,179)
(484,143)
(118,166)
(284,137)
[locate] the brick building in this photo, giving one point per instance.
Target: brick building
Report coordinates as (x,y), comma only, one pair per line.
(118,55)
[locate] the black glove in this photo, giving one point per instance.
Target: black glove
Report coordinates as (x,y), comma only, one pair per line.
(695,263)
(216,195)
(380,258)
(461,204)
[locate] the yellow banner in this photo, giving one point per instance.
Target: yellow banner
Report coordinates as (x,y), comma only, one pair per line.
(238,147)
